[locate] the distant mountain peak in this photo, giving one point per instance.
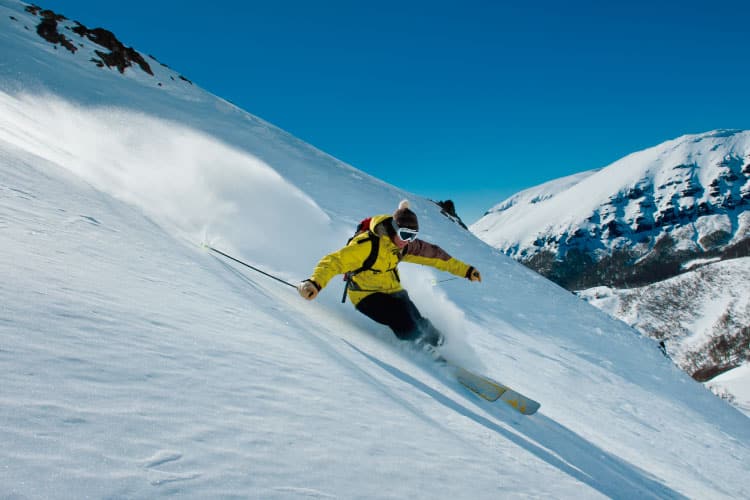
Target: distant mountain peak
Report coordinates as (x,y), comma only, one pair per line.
(635,221)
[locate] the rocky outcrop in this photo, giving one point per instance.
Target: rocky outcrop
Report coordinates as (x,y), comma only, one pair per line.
(448,208)
(47,27)
(108,51)
(118,56)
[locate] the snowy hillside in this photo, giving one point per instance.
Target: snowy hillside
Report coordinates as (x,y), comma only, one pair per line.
(702,315)
(138,365)
(734,386)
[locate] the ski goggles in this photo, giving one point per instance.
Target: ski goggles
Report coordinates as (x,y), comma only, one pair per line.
(405,233)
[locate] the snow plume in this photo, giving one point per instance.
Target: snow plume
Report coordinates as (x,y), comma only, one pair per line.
(184,179)
(427,292)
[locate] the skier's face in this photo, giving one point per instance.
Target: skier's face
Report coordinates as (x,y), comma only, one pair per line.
(403,235)
(398,241)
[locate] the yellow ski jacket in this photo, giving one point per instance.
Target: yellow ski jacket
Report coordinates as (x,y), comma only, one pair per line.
(383,275)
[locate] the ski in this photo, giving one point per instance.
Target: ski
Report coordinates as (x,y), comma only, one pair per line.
(491,390)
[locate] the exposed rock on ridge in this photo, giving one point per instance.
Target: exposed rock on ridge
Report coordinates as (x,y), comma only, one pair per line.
(112,53)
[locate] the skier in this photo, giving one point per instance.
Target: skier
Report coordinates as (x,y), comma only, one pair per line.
(370,261)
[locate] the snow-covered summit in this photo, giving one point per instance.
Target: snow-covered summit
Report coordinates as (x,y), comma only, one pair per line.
(137,365)
(685,199)
(540,193)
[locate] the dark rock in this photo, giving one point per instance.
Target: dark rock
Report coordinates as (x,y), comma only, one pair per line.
(47,29)
(707,373)
(448,208)
(119,56)
(33,9)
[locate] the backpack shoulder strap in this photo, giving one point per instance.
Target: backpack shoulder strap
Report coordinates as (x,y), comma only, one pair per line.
(369,261)
(373,255)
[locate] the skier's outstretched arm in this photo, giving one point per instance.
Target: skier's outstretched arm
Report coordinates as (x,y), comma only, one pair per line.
(428,254)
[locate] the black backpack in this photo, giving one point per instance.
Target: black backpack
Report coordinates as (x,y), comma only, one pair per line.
(362,227)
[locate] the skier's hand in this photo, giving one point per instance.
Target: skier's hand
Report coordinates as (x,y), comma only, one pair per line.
(473,275)
(308,289)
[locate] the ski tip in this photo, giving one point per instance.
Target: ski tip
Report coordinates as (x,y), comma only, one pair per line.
(521,403)
(529,408)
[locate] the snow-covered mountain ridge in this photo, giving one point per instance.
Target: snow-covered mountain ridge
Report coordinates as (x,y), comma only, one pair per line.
(673,221)
(639,220)
(137,365)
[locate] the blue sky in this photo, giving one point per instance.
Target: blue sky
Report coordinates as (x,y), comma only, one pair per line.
(468,100)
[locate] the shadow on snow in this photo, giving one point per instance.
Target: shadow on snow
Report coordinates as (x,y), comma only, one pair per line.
(555,444)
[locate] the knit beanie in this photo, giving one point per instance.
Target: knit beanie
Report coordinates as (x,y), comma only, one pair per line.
(404,217)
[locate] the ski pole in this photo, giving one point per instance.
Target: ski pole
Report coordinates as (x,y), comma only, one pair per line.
(437,282)
(251,267)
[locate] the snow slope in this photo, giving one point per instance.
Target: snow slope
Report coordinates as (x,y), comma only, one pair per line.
(136,364)
(734,385)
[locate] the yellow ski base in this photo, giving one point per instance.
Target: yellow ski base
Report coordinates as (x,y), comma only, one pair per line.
(488,389)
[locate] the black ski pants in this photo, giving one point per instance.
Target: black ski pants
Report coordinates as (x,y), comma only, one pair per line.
(397,311)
